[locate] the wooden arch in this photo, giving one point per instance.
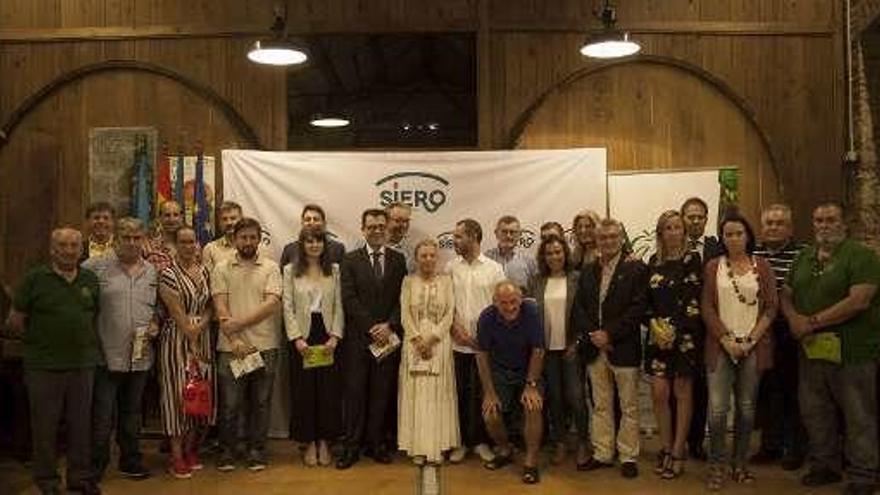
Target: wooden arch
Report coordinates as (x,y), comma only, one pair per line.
(206,93)
(525,118)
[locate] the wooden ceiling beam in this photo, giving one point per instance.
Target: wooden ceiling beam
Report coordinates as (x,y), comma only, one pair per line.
(37,35)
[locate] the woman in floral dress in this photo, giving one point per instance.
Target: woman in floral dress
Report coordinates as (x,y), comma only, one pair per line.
(674,350)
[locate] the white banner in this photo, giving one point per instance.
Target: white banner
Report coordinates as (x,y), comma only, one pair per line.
(443,187)
(638,199)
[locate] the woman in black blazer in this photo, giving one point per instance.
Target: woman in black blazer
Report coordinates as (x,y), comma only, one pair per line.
(555,289)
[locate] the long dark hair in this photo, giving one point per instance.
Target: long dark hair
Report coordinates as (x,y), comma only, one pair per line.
(735,217)
(543,267)
(302,263)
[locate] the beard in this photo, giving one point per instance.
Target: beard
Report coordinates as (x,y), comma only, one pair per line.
(247,252)
(830,238)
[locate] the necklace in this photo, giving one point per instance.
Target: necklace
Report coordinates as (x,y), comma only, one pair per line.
(739,294)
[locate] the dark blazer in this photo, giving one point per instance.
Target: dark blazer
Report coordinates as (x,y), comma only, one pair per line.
(622,313)
(712,248)
(366,300)
(539,283)
(335,250)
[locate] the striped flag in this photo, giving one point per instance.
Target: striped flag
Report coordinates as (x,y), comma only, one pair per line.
(163,178)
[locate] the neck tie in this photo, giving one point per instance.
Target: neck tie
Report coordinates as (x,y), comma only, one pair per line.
(377,264)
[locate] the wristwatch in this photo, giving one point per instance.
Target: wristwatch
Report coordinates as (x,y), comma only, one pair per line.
(532,383)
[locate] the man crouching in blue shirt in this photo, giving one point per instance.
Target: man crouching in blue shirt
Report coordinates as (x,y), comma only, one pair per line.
(510,361)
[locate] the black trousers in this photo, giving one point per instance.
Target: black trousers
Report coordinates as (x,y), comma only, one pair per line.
(779,415)
(470,400)
(370,394)
(697,433)
(316,404)
(53,396)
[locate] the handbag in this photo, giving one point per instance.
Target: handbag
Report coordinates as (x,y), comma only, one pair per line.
(198,398)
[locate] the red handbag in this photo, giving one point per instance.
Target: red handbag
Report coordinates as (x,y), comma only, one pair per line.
(198,398)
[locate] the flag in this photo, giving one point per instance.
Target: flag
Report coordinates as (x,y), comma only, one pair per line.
(141,183)
(163,178)
(200,200)
(178,186)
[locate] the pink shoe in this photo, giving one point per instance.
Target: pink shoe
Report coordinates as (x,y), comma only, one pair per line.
(180,469)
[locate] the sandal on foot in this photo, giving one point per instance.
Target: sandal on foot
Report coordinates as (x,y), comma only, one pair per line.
(675,468)
(715,481)
(742,475)
(663,461)
(531,475)
(499,461)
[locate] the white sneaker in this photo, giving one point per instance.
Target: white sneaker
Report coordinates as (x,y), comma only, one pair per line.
(457,454)
(485,452)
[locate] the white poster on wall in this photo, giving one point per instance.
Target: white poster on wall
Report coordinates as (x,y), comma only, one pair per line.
(442,187)
(637,199)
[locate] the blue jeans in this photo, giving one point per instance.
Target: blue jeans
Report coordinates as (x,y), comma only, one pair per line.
(565,394)
(247,397)
(741,378)
(825,387)
(119,394)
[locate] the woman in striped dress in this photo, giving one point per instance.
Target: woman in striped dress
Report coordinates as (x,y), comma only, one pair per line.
(184,336)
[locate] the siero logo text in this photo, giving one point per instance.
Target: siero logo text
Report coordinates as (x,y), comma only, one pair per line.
(418,189)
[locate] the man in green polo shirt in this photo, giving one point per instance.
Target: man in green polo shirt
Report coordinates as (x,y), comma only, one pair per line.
(829,301)
(55,306)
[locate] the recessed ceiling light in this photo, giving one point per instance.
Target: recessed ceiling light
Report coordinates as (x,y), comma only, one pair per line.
(329,121)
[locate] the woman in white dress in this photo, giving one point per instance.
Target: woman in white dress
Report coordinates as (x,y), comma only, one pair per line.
(427,415)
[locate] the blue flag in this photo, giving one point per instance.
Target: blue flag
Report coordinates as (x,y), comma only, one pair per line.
(142,190)
(200,215)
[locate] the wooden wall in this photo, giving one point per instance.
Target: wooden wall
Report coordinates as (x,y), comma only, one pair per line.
(753,83)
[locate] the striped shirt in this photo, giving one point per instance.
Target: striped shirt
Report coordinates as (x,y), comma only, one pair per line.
(780,259)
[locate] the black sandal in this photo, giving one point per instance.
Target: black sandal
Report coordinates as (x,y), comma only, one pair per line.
(663,462)
(675,468)
(742,475)
(499,461)
(531,475)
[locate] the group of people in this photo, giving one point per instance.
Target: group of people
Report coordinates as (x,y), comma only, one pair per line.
(390,351)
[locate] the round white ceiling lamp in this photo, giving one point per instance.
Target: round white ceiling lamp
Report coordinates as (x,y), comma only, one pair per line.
(610,43)
(281,53)
(278,50)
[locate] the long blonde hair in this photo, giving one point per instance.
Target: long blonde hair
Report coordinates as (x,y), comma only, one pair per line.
(582,255)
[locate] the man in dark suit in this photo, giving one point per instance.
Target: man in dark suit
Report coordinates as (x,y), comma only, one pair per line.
(695,213)
(608,311)
(313,217)
(371,280)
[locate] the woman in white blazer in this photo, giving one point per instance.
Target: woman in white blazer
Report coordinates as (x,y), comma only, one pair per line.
(313,320)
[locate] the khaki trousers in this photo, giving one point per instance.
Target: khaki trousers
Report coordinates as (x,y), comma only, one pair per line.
(603,377)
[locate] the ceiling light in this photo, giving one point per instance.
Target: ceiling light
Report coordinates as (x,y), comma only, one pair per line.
(329,121)
(610,43)
(276,53)
(278,50)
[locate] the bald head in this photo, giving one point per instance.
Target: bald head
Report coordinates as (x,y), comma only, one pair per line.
(508,299)
(66,248)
